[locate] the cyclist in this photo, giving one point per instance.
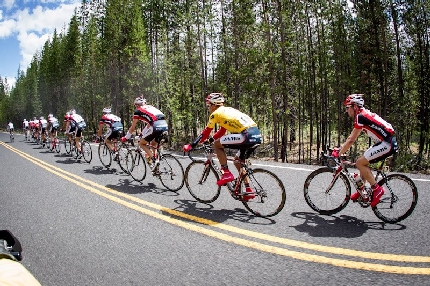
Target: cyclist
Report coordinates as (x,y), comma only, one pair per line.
(377,129)
(25,125)
(43,124)
(79,123)
(156,125)
(53,125)
(244,134)
(9,128)
(36,128)
(115,129)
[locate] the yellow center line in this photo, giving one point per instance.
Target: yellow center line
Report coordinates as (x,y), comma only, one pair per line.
(91,186)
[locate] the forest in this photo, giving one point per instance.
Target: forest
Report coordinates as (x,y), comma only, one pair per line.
(289,64)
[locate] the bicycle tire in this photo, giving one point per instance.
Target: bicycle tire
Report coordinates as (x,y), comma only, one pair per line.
(269,193)
(57,146)
(122,157)
(323,201)
(200,179)
(87,153)
(170,172)
(137,170)
(399,199)
(67,146)
(105,155)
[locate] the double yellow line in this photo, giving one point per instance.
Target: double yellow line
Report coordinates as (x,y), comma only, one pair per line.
(157,211)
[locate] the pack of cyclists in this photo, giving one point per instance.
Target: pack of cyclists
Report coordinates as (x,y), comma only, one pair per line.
(243,134)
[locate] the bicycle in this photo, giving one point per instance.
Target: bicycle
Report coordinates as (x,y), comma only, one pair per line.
(201,177)
(105,154)
(12,138)
(327,191)
(73,150)
(54,145)
(168,170)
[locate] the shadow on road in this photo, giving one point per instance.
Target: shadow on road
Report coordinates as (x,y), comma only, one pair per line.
(317,225)
(207,211)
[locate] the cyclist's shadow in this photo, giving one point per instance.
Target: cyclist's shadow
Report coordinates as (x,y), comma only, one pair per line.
(207,211)
(317,225)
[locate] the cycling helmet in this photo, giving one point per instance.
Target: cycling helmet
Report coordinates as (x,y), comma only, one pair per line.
(72,111)
(34,118)
(24,119)
(140,100)
(50,115)
(354,99)
(41,118)
(215,98)
(107,110)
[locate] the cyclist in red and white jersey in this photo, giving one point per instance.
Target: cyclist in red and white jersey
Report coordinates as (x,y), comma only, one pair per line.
(382,134)
(79,123)
(115,128)
(156,125)
(43,124)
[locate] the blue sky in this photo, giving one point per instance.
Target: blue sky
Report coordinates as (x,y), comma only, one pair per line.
(25,25)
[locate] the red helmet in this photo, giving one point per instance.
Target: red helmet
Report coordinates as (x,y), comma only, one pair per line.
(354,99)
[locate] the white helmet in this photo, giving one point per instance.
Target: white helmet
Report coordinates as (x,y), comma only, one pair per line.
(107,110)
(50,115)
(140,100)
(72,111)
(215,98)
(354,98)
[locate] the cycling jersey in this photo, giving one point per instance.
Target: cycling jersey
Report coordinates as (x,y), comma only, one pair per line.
(230,119)
(374,126)
(113,121)
(149,114)
(25,124)
(10,126)
(43,123)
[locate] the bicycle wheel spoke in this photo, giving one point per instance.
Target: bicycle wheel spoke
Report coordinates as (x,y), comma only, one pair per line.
(104,155)
(136,165)
(122,158)
(399,199)
(320,198)
(86,151)
(200,180)
(269,193)
(170,173)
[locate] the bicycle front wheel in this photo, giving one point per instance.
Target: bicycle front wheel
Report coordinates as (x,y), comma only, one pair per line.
(324,195)
(170,172)
(105,155)
(136,165)
(269,191)
(122,158)
(200,179)
(399,199)
(86,151)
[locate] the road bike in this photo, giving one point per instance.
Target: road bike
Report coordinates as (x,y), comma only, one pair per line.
(71,148)
(11,136)
(201,178)
(167,168)
(106,155)
(54,144)
(327,190)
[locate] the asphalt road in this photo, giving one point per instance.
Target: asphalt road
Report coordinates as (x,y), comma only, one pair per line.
(81,224)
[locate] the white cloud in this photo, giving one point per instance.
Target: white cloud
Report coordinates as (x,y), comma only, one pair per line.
(33,27)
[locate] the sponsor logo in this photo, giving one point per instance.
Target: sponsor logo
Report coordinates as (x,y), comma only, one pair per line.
(379,151)
(373,126)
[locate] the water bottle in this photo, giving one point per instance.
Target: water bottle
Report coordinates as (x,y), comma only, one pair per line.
(359,181)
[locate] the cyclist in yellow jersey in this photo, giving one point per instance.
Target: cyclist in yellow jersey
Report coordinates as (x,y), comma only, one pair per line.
(244,135)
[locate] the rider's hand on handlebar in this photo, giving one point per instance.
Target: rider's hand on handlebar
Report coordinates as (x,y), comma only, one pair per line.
(187,148)
(335,152)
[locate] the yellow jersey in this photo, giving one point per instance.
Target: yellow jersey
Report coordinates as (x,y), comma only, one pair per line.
(231,119)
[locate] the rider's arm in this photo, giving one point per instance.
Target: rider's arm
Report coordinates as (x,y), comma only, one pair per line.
(99,132)
(349,141)
(131,129)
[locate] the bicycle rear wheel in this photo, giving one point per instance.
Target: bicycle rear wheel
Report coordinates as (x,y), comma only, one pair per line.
(136,165)
(87,153)
(325,196)
(200,179)
(57,146)
(269,191)
(170,172)
(104,155)
(399,199)
(67,146)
